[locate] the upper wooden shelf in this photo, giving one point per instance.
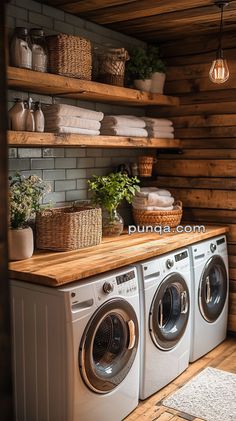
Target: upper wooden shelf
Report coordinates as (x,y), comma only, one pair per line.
(71,140)
(50,84)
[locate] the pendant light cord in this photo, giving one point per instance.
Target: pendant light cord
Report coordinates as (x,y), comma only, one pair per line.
(221,30)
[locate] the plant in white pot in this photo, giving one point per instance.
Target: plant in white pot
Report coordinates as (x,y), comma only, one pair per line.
(158,76)
(25,195)
(138,69)
(108,192)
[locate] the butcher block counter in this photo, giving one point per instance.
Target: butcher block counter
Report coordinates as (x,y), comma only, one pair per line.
(59,268)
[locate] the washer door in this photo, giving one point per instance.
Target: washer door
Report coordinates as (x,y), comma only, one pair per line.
(169,312)
(213,289)
(109,346)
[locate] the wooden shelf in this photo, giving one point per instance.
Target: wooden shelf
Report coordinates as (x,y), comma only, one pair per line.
(50,84)
(34,139)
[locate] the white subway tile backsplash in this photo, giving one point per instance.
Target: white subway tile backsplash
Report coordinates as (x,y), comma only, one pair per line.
(82,184)
(85,162)
(53,152)
(43,163)
(75,152)
(54,197)
(76,195)
(75,173)
(53,12)
(19,164)
(40,20)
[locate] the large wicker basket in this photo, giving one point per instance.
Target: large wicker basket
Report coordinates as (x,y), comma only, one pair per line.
(70,55)
(68,228)
(163,218)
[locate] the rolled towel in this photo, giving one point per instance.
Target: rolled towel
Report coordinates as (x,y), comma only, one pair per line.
(77,130)
(160,122)
(125,131)
(82,123)
(59,110)
(123,121)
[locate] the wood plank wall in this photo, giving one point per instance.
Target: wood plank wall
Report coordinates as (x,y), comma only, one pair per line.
(204,175)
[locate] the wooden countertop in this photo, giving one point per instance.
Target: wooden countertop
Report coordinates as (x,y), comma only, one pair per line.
(58,268)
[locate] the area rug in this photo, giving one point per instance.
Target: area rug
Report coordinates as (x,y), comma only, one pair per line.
(211,395)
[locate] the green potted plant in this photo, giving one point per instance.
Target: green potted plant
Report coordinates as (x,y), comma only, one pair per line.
(138,69)
(25,195)
(158,69)
(108,192)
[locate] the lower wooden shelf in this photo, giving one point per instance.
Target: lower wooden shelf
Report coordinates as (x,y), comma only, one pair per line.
(33,139)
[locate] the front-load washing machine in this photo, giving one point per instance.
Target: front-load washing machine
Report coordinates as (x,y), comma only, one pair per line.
(165,319)
(210,286)
(75,349)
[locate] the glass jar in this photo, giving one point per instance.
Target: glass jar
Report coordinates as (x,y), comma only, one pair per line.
(20,49)
(39,50)
(112,223)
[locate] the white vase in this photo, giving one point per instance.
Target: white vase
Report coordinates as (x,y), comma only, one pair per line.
(157,83)
(20,243)
(143,85)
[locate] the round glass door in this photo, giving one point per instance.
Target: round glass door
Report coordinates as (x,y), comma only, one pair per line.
(109,346)
(169,312)
(213,289)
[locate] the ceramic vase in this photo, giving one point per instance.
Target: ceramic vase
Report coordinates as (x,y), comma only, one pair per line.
(143,85)
(112,223)
(157,83)
(20,243)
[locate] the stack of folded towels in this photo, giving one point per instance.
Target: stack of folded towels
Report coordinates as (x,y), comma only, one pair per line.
(159,127)
(123,125)
(63,118)
(153,198)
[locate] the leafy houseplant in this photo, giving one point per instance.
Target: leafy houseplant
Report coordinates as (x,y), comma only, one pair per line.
(138,68)
(24,201)
(108,192)
(158,70)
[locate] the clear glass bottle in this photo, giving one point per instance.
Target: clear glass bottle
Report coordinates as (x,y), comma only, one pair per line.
(112,223)
(39,118)
(17,115)
(20,49)
(39,50)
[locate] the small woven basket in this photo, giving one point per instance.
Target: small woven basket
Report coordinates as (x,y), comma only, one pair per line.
(68,228)
(70,55)
(163,218)
(111,66)
(145,164)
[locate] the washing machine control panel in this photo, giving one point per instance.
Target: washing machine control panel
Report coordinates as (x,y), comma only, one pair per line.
(127,283)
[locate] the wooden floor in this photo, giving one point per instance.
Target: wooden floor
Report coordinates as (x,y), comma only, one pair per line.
(222,357)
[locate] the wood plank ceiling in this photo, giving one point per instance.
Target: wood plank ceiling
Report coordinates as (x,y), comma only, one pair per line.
(153,20)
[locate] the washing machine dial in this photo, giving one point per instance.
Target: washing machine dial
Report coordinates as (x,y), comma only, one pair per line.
(169,263)
(212,247)
(108,287)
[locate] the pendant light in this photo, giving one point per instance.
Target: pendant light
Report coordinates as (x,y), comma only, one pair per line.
(219,71)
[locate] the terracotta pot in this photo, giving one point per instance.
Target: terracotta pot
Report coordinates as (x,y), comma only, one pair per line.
(20,243)
(143,85)
(157,83)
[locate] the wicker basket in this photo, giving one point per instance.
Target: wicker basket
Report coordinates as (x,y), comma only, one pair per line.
(68,228)
(145,164)
(111,66)
(162,218)
(70,56)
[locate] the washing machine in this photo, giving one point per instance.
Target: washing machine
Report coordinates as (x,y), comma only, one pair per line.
(76,349)
(165,319)
(210,285)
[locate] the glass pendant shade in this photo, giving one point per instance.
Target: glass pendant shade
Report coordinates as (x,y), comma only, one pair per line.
(219,71)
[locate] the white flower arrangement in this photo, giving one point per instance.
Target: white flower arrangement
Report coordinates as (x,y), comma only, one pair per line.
(25,195)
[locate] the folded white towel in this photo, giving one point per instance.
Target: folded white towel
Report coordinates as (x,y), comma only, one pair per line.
(59,110)
(125,131)
(160,122)
(142,207)
(82,123)
(160,134)
(154,200)
(77,130)
(144,191)
(123,121)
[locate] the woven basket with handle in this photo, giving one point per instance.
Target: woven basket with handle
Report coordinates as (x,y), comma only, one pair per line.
(70,55)
(68,228)
(163,218)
